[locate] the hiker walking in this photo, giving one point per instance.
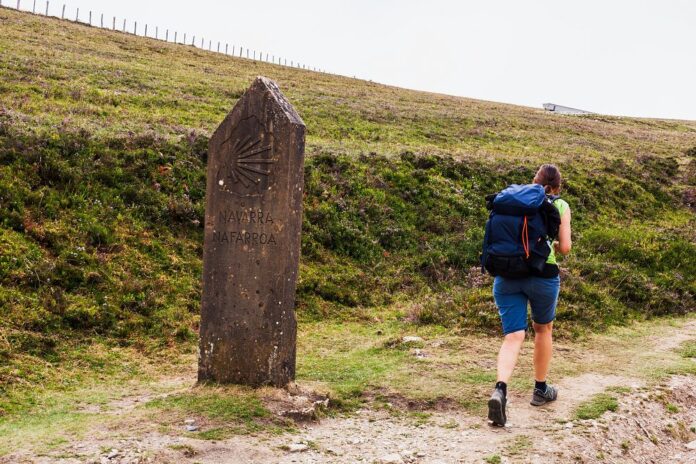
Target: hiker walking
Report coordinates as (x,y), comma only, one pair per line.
(528,225)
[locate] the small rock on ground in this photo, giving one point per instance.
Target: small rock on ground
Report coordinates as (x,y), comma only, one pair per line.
(297,447)
(391,458)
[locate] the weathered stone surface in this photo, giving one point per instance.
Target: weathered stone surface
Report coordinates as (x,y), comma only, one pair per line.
(252,241)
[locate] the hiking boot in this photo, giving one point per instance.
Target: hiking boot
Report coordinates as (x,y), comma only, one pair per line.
(542,397)
(496,408)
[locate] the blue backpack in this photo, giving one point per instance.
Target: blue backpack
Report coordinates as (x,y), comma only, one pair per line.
(522,223)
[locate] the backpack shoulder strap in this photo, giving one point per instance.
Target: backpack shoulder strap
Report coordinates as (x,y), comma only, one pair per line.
(486,240)
(551,216)
(489,201)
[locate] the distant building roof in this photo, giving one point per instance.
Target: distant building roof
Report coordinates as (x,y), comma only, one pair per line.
(560,109)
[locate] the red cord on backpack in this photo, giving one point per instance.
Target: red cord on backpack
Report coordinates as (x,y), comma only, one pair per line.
(525,237)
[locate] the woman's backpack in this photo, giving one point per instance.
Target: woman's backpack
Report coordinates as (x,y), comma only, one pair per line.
(522,223)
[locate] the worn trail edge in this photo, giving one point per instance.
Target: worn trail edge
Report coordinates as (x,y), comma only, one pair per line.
(653,423)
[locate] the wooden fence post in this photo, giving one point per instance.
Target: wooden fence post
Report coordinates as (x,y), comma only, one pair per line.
(227,46)
(18,4)
(90,17)
(62,15)
(46,8)
(135,28)
(33,8)
(156,32)
(124,24)
(113,25)
(218,49)
(145,30)
(166,36)
(101,20)
(77,15)
(240,51)
(193,41)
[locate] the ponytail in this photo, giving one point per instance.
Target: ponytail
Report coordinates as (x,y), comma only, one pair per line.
(549,177)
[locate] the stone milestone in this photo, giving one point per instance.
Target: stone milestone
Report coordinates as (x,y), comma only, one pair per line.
(251,250)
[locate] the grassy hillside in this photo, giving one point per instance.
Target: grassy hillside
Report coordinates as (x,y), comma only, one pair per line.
(102,152)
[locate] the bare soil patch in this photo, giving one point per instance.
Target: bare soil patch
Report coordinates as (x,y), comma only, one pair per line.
(652,423)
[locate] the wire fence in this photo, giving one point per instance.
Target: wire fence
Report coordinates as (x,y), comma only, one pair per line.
(153,32)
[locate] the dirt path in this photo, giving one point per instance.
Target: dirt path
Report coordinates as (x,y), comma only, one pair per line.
(653,423)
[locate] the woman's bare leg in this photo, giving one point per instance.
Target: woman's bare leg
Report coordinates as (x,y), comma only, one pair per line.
(543,347)
(509,351)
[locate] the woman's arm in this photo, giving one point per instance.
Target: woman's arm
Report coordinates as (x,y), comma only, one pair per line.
(564,242)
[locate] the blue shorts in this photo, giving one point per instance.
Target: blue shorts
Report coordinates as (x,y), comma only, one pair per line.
(511,297)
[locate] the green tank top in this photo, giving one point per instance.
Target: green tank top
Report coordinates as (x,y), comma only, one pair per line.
(562,207)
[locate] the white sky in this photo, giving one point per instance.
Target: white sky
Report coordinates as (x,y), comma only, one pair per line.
(624,57)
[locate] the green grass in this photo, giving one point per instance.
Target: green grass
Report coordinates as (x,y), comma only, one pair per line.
(596,406)
(520,445)
(458,370)
(348,359)
(219,412)
(102,154)
(187,450)
(673,408)
(218,405)
(77,388)
(355,361)
(619,389)
(688,349)
(656,369)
